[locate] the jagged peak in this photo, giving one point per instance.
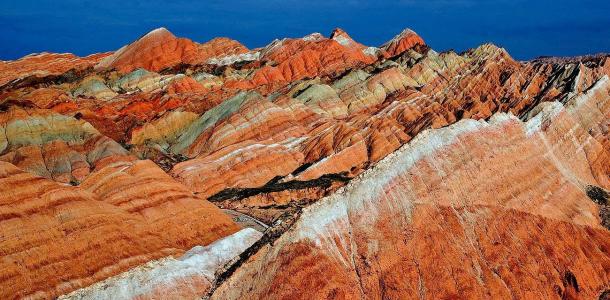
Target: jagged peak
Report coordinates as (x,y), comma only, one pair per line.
(402,42)
(341,37)
(403,34)
(271,47)
(487,49)
(338,32)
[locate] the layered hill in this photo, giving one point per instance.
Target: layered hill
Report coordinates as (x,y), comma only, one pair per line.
(386,172)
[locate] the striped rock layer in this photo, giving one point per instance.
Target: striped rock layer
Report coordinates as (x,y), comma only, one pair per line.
(395,171)
(450,216)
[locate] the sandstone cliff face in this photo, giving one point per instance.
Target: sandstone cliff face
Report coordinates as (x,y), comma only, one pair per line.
(469,175)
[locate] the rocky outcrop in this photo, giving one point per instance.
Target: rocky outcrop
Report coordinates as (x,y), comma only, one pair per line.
(289,60)
(220,49)
(128,209)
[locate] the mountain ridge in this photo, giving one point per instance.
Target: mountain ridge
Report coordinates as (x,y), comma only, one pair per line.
(183,143)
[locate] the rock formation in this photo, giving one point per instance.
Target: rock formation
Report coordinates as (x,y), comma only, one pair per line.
(160,49)
(178,278)
(448,216)
(57,238)
(311,167)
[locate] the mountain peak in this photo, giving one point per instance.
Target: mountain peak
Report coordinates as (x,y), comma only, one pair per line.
(403,41)
(147,52)
(342,37)
(405,32)
(158,33)
(337,32)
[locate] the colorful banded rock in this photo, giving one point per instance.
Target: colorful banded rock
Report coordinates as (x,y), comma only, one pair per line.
(441,209)
(58,238)
(469,175)
(55,146)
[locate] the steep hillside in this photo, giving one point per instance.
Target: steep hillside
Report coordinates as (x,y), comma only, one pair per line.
(310,167)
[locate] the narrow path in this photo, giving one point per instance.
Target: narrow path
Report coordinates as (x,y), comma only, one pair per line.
(245,220)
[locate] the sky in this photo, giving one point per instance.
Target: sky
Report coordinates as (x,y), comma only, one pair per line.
(527,29)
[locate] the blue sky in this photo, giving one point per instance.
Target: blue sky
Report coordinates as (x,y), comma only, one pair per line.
(527,29)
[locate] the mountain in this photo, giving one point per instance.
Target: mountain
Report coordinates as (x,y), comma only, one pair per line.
(160,49)
(401,42)
(311,167)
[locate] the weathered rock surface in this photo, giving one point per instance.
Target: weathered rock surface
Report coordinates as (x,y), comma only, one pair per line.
(506,197)
(160,49)
(402,42)
(55,146)
(185,277)
(57,238)
(45,64)
(446,216)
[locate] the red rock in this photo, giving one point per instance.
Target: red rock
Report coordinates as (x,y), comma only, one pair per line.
(217,47)
(445,200)
(185,277)
(299,58)
(160,49)
(184,85)
(49,230)
(346,159)
(272,131)
(258,140)
(341,37)
(45,64)
(54,146)
(48,97)
(154,51)
(405,40)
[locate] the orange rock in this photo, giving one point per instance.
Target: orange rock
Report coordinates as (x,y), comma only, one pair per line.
(438,218)
(345,40)
(405,40)
(48,97)
(45,64)
(300,58)
(217,47)
(184,85)
(52,145)
(154,51)
(343,161)
(185,277)
(160,49)
(270,131)
(49,229)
